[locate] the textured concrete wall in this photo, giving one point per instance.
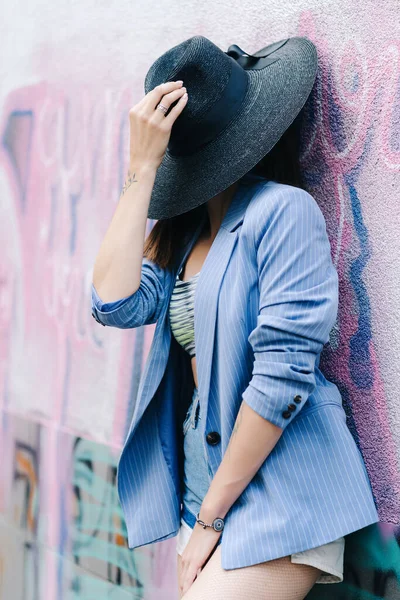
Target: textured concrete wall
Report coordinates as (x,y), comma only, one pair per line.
(69,74)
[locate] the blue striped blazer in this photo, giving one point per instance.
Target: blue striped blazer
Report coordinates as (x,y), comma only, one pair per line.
(265,303)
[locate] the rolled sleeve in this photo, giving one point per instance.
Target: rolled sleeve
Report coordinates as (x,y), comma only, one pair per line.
(143,307)
(298,304)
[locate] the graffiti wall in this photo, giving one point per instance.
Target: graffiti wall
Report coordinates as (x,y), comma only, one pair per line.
(70,74)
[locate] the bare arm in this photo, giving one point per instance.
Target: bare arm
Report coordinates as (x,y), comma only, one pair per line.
(117,268)
(251,441)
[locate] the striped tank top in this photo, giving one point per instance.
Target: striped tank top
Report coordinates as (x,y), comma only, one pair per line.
(181,312)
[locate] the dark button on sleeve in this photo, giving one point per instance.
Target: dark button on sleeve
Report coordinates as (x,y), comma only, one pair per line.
(297,398)
(286,414)
(292,407)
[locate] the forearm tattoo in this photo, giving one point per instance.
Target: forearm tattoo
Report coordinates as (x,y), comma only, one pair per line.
(237,423)
(130,179)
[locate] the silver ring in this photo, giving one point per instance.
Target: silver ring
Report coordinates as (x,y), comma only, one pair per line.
(163,108)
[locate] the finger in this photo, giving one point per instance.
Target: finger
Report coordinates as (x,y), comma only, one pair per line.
(152,98)
(182,577)
(176,110)
(186,586)
(189,577)
(167,101)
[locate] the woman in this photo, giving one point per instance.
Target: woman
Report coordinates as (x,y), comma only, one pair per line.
(237,443)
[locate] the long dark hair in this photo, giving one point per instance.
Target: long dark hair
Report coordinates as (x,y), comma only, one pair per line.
(281,164)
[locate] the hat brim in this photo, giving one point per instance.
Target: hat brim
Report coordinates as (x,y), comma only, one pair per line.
(274,97)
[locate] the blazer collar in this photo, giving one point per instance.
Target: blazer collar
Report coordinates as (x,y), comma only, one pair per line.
(238,205)
(237,208)
(234,215)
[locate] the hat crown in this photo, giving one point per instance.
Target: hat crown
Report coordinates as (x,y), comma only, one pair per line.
(239,106)
(202,66)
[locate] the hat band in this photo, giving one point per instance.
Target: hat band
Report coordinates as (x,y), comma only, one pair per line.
(186,139)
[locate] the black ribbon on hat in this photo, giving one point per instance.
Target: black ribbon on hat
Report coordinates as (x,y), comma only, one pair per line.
(188,136)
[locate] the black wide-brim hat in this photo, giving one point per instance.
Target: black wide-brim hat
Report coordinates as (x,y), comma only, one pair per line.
(238,107)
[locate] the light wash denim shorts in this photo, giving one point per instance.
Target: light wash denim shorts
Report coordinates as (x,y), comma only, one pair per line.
(197,472)
(196,481)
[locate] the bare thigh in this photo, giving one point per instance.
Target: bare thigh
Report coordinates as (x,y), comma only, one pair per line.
(277,579)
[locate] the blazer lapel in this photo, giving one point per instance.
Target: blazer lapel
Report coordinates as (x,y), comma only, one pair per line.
(160,347)
(205,307)
(209,284)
